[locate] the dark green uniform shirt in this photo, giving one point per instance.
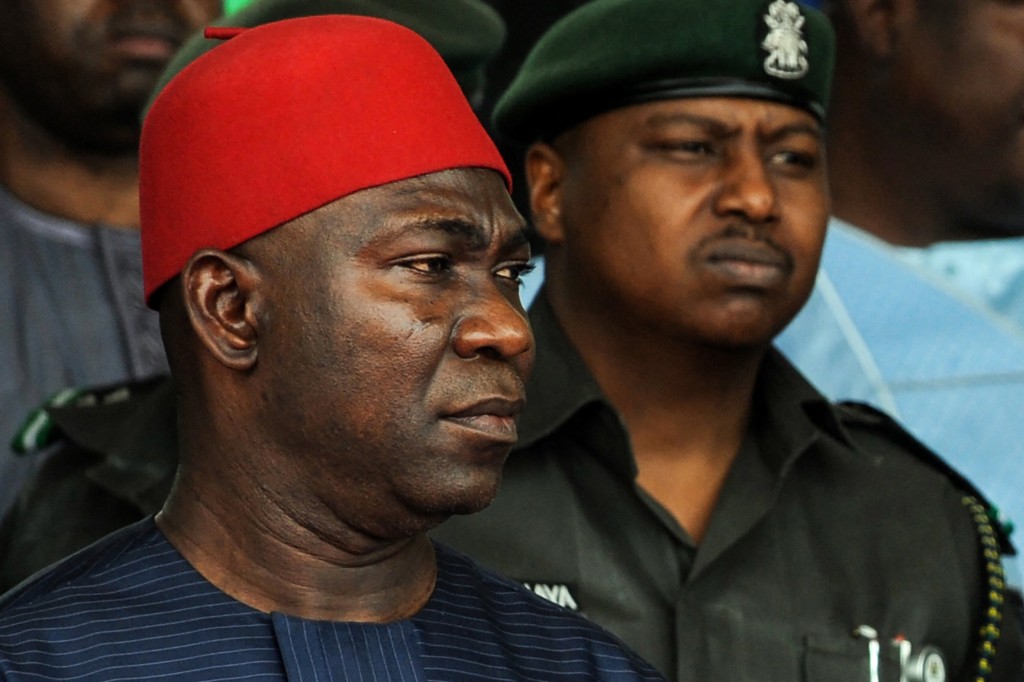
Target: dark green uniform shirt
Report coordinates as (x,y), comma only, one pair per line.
(824,524)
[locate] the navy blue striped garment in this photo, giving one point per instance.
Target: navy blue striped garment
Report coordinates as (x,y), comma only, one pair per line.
(132,608)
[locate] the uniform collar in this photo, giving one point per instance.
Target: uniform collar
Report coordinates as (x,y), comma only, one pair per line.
(561,385)
(789,413)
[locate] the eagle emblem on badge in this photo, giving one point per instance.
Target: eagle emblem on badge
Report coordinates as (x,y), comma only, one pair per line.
(787,49)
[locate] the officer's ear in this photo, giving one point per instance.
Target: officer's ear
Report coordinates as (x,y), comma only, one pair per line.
(545,175)
(221,296)
(878,24)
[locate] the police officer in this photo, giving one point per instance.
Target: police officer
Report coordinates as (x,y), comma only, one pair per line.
(676,479)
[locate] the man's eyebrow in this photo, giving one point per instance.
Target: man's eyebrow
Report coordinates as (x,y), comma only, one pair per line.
(679,117)
(477,238)
(814,131)
(473,234)
(721,127)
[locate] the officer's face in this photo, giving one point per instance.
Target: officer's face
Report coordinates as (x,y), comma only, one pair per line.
(398,349)
(83,69)
(955,99)
(700,219)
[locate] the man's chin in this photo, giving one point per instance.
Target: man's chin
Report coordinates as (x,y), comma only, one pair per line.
(472,508)
(469,499)
(135,81)
(424,514)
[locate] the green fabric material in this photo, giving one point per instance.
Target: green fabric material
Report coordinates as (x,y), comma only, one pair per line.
(37,431)
(609,53)
(235,5)
(467,33)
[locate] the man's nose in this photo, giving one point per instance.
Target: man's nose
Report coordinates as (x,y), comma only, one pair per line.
(747,189)
(494,326)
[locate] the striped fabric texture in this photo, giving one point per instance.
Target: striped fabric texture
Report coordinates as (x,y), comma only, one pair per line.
(131,608)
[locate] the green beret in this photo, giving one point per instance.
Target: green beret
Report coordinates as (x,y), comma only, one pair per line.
(612,53)
(467,33)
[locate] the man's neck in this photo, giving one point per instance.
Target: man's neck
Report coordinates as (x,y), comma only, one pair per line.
(686,407)
(869,190)
(45,174)
(883,179)
(274,562)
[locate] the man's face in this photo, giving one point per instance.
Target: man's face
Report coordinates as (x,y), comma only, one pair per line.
(397,349)
(83,69)
(700,220)
(954,101)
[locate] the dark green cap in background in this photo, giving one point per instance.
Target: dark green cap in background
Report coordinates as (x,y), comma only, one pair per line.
(467,33)
(611,53)
(235,5)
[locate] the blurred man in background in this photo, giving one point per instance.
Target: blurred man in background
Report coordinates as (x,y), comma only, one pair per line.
(919,305)
(74,77)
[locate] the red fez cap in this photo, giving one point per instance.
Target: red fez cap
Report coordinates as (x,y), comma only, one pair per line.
(287,117)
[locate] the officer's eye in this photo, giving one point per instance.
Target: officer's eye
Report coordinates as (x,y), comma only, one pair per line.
(796,159)
(689,147)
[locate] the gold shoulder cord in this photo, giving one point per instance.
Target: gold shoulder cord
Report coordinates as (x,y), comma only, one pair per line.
(988,634)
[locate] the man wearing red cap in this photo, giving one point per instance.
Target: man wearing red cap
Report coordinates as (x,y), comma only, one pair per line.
(92,481)
(342,319)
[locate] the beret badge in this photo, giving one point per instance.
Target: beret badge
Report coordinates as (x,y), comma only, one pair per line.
(784,42)
(590,61)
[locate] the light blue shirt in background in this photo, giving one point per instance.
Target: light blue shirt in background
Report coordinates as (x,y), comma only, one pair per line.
(935,337)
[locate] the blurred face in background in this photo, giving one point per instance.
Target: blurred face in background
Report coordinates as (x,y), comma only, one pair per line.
(953,99)
(83,69)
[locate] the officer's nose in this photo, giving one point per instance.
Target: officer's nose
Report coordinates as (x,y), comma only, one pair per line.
(747,189)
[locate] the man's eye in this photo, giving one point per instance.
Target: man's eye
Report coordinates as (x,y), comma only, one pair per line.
(795,159)
(514,271)
(688,147)
(430,265)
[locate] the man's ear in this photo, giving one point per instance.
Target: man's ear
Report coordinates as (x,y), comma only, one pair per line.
(878,23)
(545,175)
(221,293)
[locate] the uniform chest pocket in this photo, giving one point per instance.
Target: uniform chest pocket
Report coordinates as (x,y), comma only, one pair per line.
(831,658)
(722,642)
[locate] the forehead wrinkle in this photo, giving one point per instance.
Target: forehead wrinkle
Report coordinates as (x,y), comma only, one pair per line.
(712,123)
(721,127)
(454,207)
(476,237)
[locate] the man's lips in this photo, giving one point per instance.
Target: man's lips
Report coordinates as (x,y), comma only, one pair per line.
(748,262)
(150,39)
(143,47)
(493,418)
